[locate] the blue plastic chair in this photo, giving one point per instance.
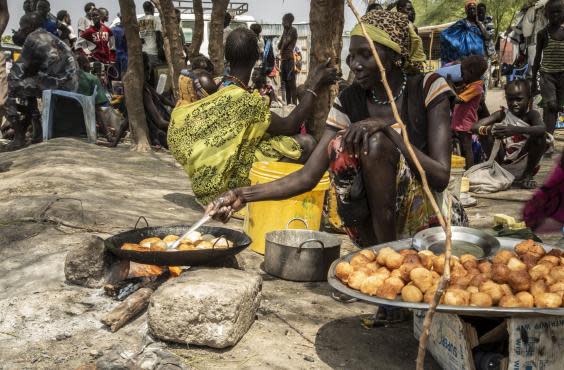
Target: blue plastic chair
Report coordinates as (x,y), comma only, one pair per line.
(518,73)
(87,103)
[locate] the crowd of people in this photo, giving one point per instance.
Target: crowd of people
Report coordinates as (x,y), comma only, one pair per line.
(222,123)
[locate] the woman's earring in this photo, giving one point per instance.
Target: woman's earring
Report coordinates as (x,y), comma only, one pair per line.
(399,63)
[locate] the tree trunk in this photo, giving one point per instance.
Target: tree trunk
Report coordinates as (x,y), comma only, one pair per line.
(326,19)
(216,47)
(198,35)
(133,80)
(173,42)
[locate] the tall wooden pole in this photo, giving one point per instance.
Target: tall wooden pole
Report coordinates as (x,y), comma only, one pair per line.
(133,80)
(173,43)
(216,47)
(326,19)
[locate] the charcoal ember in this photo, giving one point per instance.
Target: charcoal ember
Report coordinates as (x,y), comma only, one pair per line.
(123,289)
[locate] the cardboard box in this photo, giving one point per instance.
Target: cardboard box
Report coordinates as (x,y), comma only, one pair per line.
(534,343)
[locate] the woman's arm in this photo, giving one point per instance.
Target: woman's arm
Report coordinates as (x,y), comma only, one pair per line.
(322,76)
(294,184)
(437,163)
(488,121)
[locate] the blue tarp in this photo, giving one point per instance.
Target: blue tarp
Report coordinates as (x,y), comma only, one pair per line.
(460,40)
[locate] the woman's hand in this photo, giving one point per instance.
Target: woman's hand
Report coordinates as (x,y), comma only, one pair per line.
(223,207)
(356,139)
(323,75)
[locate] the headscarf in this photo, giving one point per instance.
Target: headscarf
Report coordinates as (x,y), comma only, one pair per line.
(470,2)
(393,30)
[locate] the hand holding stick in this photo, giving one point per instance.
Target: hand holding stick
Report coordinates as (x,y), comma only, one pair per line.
(445,224)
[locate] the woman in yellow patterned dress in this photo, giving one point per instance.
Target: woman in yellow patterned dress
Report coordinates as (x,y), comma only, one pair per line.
(218,138)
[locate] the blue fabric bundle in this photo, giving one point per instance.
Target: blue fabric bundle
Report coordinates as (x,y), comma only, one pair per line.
(460,40)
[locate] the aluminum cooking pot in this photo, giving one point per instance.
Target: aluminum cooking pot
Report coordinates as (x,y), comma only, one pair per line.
(300,255)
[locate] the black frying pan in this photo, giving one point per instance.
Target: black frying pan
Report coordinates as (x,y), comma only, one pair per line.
(176,258)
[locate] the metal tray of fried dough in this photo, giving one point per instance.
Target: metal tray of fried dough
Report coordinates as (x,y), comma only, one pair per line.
(505,243)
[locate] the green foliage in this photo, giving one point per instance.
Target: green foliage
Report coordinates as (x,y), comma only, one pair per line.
(432,12)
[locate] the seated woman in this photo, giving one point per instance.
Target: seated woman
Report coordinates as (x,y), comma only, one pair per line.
(379,194)
(216,139)
(522,132)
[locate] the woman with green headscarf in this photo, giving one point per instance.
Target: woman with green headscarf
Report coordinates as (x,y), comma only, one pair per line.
(379,194)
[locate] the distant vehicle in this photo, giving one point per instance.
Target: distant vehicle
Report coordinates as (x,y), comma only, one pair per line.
(189,22)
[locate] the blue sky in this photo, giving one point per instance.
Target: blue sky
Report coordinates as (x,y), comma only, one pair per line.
(268,11)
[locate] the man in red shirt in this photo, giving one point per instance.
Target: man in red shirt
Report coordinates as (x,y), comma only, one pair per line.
(98,34)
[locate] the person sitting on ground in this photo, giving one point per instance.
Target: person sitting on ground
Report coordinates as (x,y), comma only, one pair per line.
(150,31)
(465,113)
(98,34)
(196,83)
(522,132)
(218,138)
(67,33)
(549,61)
(85,22)
(45,63)
(379,195)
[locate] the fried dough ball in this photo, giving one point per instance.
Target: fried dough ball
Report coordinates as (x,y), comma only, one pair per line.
(383,272)
(371,285)
(158,246)
(369,254)
(343,270)
(540,271)
(509,301)
(548,300)
(538,287)
(530,260)
(169,239)
(492,289)
(411,293)
(406,269)
(186,247)
(468,258)
(391,288)
(537,250)
(394,260)
(519,280)
(515,264)
(422,278)
(529,246)
(356,279)
(147,243)
(472,289)
(372,266)
(411,259)
(506,289)
(462,281)
(457,297)
(133,247)
(555,252)
(557,273)
(479,299)
(552,260)
(557,287)
(193,238)
(407,252)
(526,299)
(479,279)
(458,271)
(435,275)
(503,256)
(439,264)
(430,294)
(500,273)
(204,244)
(426,258)
(396,273)
(359,261)
(382,253)
(221,243)
(523,247)
(485,267)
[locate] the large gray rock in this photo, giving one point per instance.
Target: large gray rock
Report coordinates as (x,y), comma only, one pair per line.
(88,264)
(205,307)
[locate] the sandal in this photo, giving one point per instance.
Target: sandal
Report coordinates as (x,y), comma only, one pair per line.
(527,183)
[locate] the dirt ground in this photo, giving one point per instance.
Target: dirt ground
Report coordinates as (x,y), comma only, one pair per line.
(48,324)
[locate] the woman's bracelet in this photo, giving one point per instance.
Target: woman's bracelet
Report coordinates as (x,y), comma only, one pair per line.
(313,92)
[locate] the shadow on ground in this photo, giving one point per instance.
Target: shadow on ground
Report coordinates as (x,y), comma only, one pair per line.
(346,344)
(184,201)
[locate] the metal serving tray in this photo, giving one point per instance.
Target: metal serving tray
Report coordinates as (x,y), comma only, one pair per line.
(505,243)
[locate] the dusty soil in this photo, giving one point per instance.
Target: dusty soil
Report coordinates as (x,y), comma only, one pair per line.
(47,324)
